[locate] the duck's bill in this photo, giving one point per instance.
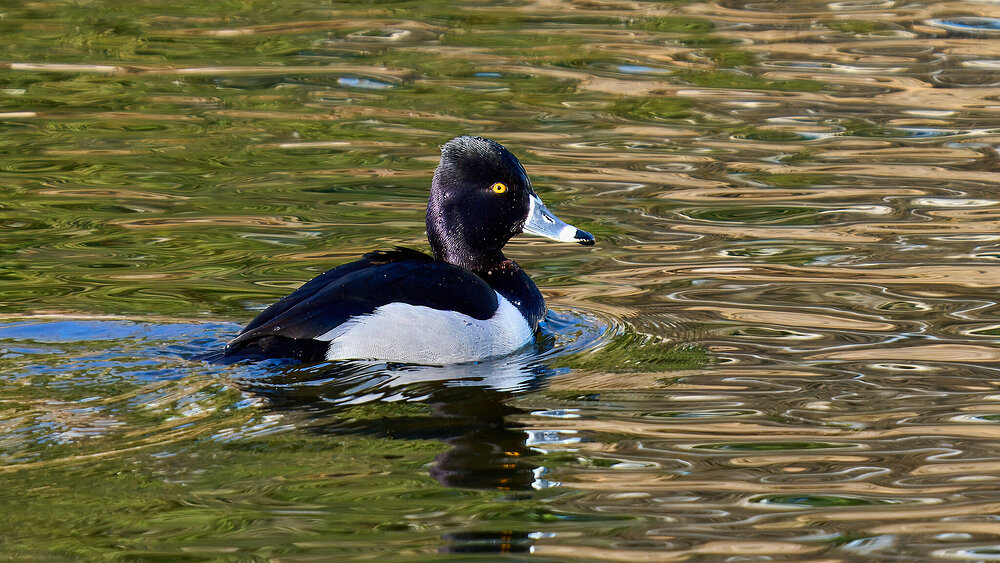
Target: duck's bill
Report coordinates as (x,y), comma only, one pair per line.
(544,223)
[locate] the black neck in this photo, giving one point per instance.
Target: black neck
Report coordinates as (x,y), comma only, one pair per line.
(455,247)
(474,260)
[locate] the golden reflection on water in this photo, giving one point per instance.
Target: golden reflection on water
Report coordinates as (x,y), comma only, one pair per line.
(806,191)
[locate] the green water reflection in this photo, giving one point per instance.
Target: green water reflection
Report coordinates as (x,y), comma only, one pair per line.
(786,331)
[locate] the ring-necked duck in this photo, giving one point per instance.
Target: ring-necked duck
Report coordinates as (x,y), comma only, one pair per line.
(467,303)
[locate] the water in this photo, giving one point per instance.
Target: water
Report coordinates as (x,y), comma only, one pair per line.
(783,346)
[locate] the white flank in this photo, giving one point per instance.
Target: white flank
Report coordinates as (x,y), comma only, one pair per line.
(414,334)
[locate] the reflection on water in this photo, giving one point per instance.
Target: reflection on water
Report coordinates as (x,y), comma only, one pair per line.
(784,346)
(466,406)
(484,451)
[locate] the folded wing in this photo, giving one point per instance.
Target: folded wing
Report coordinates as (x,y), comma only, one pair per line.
(355,289)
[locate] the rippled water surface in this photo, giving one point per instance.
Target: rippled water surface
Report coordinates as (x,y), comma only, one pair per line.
(783,347)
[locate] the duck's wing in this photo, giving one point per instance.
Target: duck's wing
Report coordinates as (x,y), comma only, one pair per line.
(358,288)
(315,285)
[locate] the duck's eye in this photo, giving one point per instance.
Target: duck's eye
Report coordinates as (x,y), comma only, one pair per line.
(499,188)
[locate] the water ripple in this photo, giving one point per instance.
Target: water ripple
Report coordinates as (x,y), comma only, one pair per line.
(786,334)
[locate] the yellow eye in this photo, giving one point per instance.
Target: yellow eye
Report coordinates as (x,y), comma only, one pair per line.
(499,188)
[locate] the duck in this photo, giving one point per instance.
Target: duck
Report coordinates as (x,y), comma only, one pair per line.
(465,302)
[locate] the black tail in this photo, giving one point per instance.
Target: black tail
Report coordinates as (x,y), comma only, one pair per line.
(271,347)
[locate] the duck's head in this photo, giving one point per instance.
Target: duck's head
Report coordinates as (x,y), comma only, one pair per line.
(480,198)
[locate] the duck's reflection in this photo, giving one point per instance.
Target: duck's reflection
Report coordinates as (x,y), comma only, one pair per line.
(486,451)
(507,541)
(467,408)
